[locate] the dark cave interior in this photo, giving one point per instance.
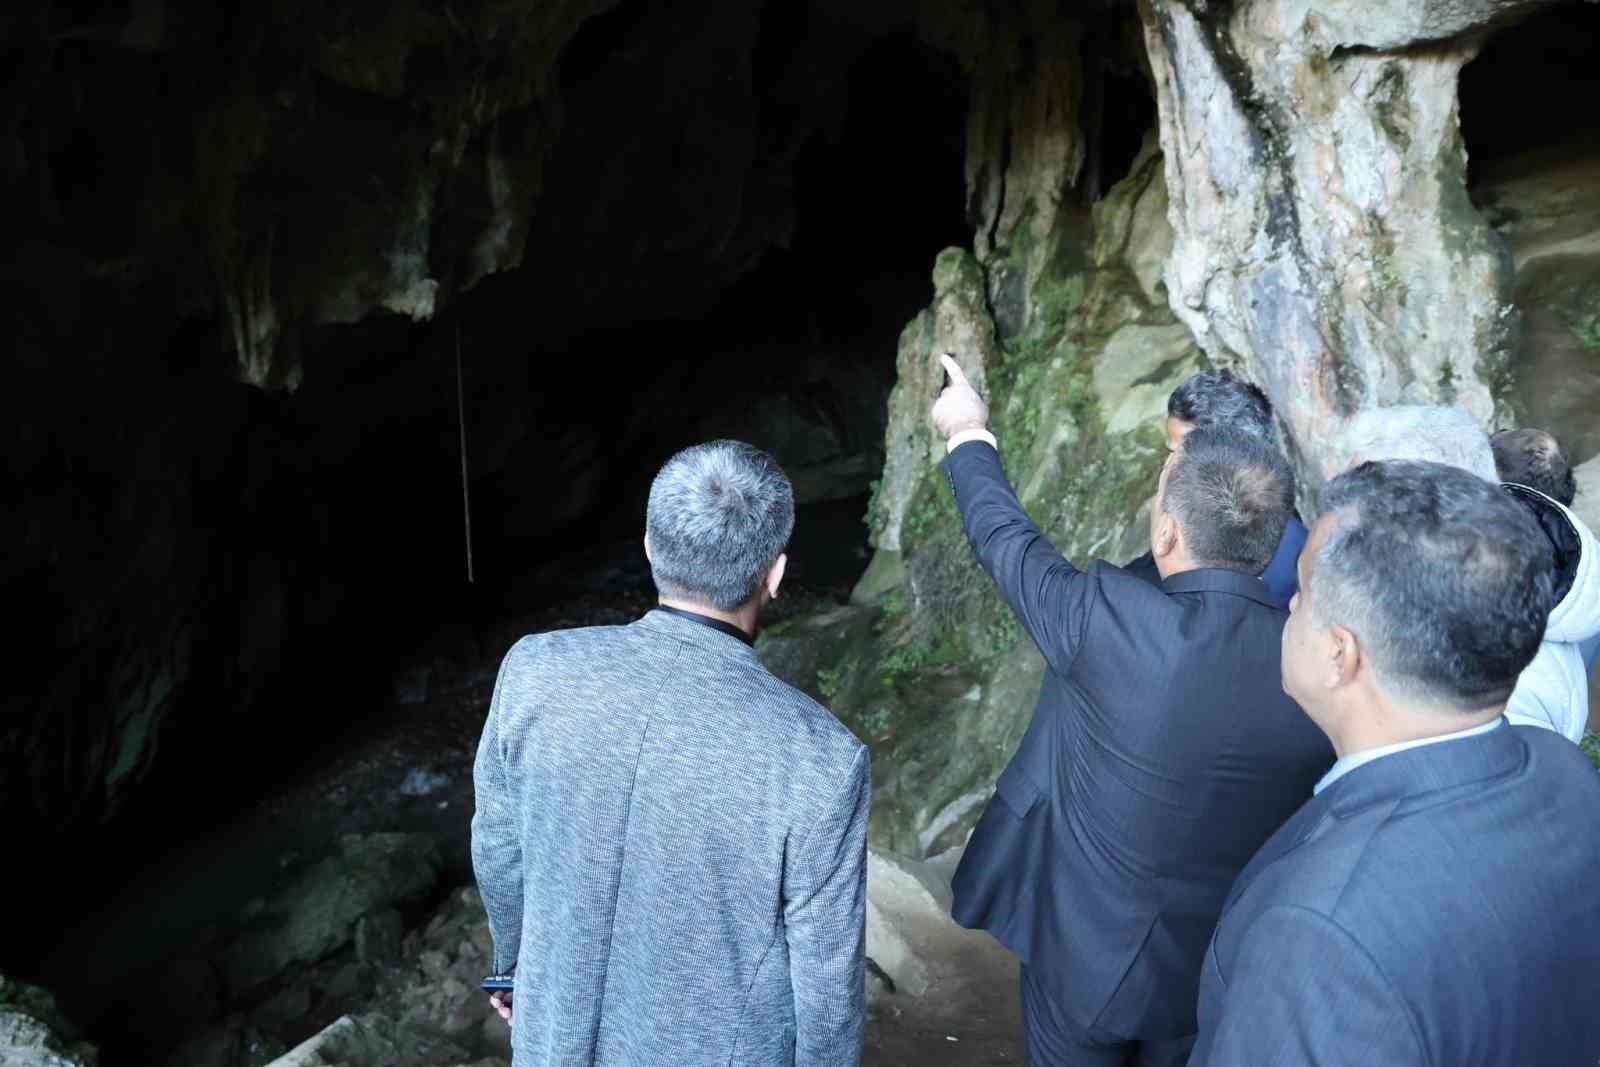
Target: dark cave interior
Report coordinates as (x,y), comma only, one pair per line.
(1528,84)
(301,547)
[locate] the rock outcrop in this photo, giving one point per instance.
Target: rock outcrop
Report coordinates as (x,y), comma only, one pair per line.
(1324,240)
(342,899)
(1060,314)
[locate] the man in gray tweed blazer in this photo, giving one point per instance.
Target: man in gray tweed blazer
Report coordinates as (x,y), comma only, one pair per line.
(671,842)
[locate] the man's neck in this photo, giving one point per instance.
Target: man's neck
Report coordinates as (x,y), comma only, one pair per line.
(744,618)
(1175,563)
(1395,723)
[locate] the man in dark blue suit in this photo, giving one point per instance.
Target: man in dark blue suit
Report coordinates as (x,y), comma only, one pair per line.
(1434,903)
(1219,398)
(1161,755)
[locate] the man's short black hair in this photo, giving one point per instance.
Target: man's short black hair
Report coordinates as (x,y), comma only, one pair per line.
(1218,398)
(1444,578)
(1232,493)
(1534,458)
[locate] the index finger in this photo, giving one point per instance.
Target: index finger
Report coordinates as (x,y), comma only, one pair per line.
(954,370)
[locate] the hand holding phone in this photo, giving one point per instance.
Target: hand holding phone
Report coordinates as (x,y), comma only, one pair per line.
(499,988)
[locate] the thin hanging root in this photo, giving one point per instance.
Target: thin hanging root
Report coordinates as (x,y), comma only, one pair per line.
(461,423)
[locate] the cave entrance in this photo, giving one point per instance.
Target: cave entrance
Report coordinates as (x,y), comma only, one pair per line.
(1534,174)
(796,353)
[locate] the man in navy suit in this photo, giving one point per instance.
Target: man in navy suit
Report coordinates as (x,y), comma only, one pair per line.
(1219,398)
(1434,902)
(1162,752)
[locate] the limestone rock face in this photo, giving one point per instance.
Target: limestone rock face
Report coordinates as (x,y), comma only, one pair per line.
(1324,240)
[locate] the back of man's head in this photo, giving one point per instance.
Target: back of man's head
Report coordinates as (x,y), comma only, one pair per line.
(720,515)
(1534,458)
(1218,398)
(1427,432)
(1232,493)
(1443,578)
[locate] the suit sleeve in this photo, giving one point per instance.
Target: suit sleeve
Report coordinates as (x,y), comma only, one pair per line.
(824,911)
(1304,993)
(1049,595)
(496,837)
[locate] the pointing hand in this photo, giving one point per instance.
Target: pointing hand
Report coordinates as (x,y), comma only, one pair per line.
(959,406)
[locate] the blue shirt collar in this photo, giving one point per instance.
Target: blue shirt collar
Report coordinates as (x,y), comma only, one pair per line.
(1346,764)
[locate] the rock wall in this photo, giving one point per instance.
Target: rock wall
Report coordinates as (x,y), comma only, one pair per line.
(1324,238)
(1060,315)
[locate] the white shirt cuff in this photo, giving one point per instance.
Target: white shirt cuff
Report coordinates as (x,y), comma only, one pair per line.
(971,435)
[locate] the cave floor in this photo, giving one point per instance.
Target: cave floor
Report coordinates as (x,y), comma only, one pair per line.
(412,772)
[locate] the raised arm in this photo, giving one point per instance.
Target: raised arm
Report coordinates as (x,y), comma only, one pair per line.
(825,914)
(1049,595)
(496,841)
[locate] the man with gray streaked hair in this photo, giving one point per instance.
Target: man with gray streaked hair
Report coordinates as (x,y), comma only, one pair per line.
(719,518)
(1553,692)
(1431,903)
(670,841)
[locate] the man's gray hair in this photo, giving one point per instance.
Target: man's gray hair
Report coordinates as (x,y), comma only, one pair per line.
(720,515)
(1424,432)
(1444,577)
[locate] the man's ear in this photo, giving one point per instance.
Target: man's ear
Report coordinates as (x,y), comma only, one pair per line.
(1165,535)
(647,558)
(1345,659)
(775,575)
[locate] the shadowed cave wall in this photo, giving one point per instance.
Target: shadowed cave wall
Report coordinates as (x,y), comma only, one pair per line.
(734,221)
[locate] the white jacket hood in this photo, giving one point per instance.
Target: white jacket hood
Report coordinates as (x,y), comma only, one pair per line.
(1577,616)
(1553,692)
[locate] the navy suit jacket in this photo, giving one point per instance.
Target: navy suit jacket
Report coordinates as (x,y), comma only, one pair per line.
(1435,906)
(1161,755)
(1281,577)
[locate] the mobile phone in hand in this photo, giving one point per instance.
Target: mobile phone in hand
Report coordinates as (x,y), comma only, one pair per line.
(497,983)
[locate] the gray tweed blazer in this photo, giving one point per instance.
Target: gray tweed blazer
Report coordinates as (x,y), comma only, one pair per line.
(671,847)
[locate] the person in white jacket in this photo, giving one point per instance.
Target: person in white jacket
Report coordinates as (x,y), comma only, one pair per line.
(1553,692)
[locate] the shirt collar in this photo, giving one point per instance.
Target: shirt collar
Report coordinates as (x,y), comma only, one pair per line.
(706,620)
(1220,580)
(1345,764)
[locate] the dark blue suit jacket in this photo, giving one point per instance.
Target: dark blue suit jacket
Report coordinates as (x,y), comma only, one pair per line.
(1161,755)
(1435,906)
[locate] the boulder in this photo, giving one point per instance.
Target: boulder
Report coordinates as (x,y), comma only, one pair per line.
(351,1041)
(320,908)
(925,967)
